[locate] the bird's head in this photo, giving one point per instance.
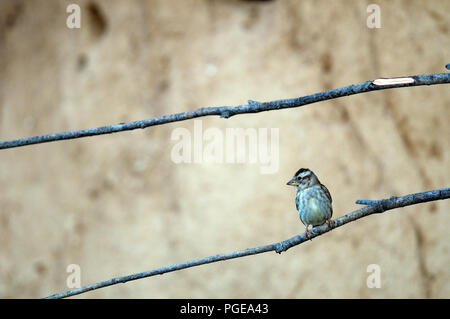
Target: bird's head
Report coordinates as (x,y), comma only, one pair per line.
(303,178)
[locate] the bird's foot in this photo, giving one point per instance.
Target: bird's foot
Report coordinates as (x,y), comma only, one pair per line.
(330,223)
(308,233)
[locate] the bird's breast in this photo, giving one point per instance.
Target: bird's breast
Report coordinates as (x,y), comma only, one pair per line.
(313,207)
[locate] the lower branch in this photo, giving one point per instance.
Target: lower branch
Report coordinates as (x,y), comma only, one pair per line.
(373,207)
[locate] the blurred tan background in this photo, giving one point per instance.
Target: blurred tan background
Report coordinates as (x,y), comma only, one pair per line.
(117,204)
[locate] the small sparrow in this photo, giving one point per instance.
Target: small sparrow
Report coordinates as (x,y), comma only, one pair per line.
(313,200)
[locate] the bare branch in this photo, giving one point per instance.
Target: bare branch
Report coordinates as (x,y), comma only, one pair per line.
(375,207)
(228,111)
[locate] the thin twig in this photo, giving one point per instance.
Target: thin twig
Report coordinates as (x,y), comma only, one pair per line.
(376,207)
(366,202)
(229,111)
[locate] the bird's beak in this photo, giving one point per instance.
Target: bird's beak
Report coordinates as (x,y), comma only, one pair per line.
(292,182)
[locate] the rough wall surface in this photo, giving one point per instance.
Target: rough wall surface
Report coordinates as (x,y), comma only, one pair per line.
(118,204)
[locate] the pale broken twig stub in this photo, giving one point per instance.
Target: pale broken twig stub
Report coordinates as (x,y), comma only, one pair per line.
(393,81)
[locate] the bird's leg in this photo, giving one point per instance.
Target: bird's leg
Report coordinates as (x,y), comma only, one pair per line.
(330,223)
(308,232)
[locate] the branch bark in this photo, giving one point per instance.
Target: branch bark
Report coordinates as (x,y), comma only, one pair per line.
(373,207)
(229,111)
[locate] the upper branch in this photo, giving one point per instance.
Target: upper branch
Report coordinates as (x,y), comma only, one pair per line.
(228,111)
(374,208)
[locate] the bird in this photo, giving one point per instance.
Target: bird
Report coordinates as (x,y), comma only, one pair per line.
(313,200)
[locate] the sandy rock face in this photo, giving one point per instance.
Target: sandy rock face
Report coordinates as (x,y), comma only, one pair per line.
(119,204)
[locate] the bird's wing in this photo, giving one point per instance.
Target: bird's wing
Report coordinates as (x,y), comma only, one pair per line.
(326,192)
(329,197)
